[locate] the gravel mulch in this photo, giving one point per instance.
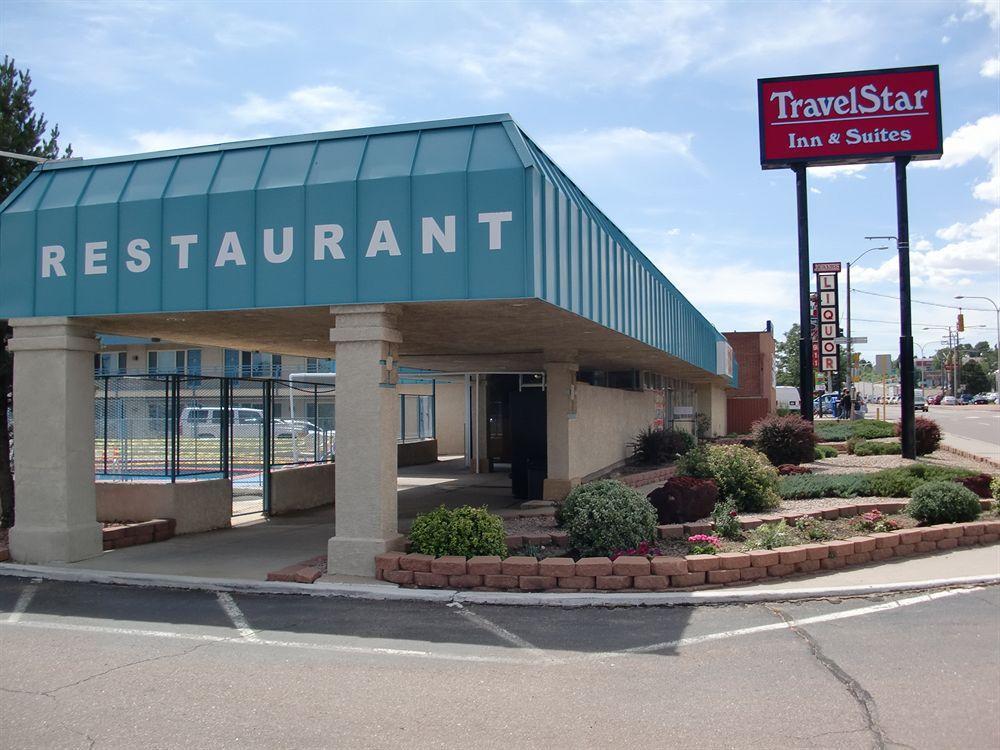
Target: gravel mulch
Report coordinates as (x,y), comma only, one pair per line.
(530,524)
(848,464)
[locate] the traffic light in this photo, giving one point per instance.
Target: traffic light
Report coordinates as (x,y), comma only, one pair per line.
(961,322)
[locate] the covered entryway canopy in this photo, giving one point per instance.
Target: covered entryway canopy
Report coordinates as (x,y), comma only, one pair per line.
(454,245)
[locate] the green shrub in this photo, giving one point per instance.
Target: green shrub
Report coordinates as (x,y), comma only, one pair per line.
(806,486)
(744,476)
(825,451)
(785,440)
(726,520)
(943,502)
(604,516)
(657,446)
(695,464)
(770,536)
(995,487)
(835,432)
(927,432)
(874,448)
(898,482)
(464,531)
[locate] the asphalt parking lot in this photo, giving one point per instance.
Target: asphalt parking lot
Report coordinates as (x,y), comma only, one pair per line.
(88,665)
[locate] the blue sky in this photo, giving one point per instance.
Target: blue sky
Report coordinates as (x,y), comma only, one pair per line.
(649,107)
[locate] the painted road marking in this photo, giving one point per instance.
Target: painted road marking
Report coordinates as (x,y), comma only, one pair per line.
(500,632)
(21,605)
(846,614)
(508,660)
(236,616)
(205,637)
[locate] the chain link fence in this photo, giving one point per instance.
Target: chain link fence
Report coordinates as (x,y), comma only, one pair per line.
(176,427)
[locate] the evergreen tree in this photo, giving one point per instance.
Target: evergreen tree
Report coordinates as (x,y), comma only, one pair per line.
(22,131)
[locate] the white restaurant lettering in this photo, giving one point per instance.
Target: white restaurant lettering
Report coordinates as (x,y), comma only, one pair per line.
(327,240)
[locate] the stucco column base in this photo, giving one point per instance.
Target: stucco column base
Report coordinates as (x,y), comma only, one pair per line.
(54,441)
(557,489)
(367,339)
(55,544)
(356,557)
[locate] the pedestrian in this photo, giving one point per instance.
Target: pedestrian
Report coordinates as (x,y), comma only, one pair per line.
(845,404)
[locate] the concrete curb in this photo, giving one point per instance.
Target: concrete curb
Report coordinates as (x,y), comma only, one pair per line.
(388,593)
(973,456)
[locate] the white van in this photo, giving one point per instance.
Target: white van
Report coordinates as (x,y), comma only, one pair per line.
(788,397)
(205,421)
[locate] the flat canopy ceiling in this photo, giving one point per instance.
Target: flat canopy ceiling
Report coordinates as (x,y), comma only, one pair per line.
(494,335)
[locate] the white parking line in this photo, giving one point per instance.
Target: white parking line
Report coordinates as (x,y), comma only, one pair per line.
(237,617)
(302,645)
(500,632)
(27,594)
(549,657)
(844,615)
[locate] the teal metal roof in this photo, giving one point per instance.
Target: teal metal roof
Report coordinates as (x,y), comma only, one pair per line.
(456,209)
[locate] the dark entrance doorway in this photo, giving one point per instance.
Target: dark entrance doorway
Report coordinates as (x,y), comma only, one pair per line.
(527,442)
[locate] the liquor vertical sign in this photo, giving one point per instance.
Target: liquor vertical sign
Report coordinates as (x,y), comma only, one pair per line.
(829,315)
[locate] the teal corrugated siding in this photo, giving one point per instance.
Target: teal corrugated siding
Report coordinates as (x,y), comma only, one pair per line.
(329,219)
(586,264)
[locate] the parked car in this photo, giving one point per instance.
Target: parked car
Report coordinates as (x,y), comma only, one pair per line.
(205,421)
(985,398)
(300,428)
(935,399)
(965,398)
(948,401)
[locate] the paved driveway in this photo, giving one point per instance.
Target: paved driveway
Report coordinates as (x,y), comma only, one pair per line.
(108,667)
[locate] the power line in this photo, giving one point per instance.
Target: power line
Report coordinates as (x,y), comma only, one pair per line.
(921,302)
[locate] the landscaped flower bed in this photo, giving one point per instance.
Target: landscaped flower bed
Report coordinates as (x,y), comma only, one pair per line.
(663,572)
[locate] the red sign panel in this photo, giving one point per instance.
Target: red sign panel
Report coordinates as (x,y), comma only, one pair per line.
(850,118)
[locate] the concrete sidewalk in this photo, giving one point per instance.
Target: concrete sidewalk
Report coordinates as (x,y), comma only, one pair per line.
(974,448)
(257,545)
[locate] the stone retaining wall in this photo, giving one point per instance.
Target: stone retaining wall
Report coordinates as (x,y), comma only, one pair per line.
(145,532)
(661,573)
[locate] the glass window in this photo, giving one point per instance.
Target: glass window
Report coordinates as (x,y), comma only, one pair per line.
(231,363)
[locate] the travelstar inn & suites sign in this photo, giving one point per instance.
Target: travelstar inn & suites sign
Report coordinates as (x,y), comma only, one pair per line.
(844,118)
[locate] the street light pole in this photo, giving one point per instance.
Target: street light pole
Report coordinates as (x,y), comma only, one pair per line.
(997,308)
(850,358)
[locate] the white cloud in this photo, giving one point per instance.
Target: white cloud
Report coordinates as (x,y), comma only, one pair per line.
(979,8)
(589,148)
(305,109)
(969,256)
(324,107)
(237,31)
(974,140)
(991,68)
(839,170)
(627,44)
(815,190)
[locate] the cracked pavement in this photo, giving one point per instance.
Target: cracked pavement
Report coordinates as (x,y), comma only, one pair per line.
(116,667)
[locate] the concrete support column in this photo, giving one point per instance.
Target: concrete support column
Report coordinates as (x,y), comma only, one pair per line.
(711,400)
(560,405)
(56,516)
(366,338)
(480,425)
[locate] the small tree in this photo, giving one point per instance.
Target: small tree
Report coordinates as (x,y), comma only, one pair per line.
(22,131)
